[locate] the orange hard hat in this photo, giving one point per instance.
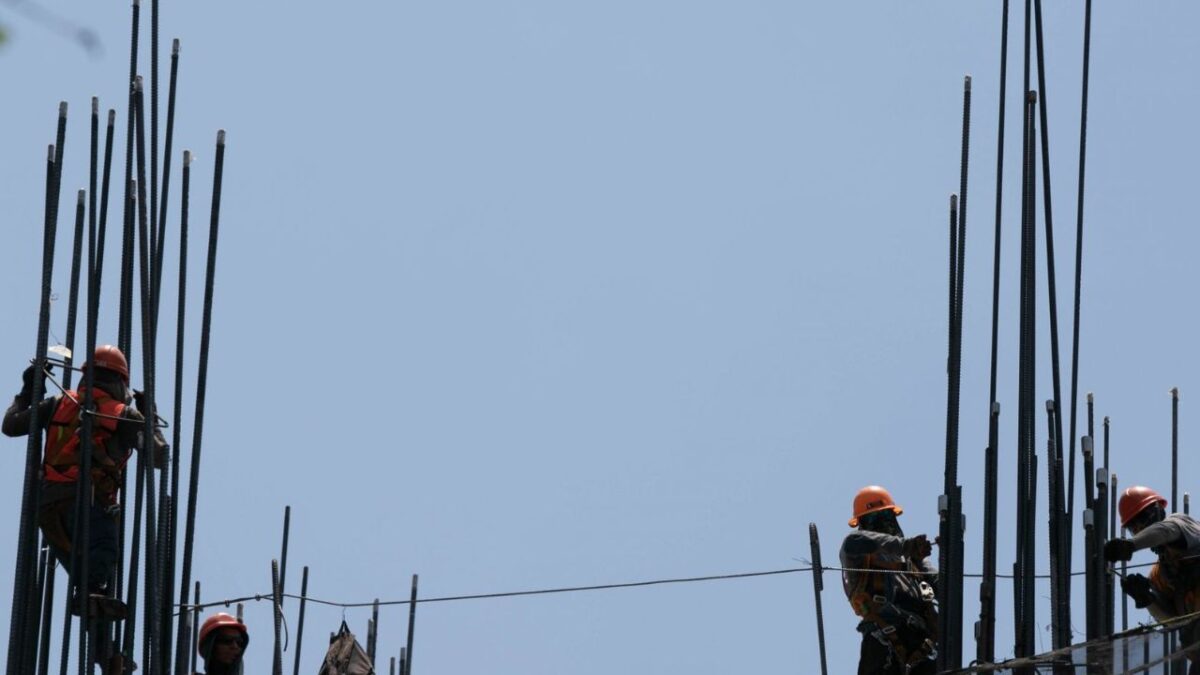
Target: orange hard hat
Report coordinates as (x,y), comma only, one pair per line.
(218,621)
(109,357)
(1136,499)
(871,499)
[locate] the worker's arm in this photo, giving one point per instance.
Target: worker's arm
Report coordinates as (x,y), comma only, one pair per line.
(132,429)
(16,418)
(1158,534)
(861,543)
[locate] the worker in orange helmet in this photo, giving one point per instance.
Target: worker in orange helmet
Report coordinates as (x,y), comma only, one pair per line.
(889,581)
(116,429)
(1173,588)
(221,644)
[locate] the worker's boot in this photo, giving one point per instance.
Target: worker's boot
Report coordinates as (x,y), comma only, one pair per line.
(101,606)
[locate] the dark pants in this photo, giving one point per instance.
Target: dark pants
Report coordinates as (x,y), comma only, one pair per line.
(877,658)
(57,522)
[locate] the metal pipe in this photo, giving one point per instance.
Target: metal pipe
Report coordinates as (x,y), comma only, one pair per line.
(412,621)
(300,624)
(202,379)
(814,542)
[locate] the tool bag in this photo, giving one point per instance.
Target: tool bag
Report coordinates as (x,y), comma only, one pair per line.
(346,656)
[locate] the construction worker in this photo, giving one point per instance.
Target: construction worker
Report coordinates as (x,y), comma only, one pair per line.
(889,582)
(1173,588)
(116,429)
(221,644)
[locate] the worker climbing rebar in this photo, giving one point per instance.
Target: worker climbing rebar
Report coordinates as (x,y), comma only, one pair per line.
(889,582)
(118,430)
(222,643)
(1173,587)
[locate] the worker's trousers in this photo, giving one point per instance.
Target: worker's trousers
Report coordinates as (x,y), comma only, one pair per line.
(57,522)
(877,658)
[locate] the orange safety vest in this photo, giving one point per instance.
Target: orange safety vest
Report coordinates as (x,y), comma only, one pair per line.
(61,461)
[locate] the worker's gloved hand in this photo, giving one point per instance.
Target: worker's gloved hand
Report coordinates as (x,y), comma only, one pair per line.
(1137,587)
(917,548)
(1118,550)
(139,399)
(27,380)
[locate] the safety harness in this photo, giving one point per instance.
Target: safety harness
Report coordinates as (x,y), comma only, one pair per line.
(879,599)
(61,463)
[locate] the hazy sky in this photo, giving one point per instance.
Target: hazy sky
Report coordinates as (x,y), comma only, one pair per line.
(519,295)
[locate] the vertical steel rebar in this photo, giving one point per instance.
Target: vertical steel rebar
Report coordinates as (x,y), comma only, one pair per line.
(181,652)
(283,551)
(154,244)
(1026,431)
(412,621)
(1087,50)
(985,633)
(277,612)
(985,628)
(27,536)
(202,379)
(814,542)
(300,623)
(193,646)
(169,137)
(1175,449)
(374,638)
(146,461)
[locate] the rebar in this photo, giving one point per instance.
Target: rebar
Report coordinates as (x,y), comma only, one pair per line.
(202,378)
(814,542)
(412,621)
(277,612)
(300,622)
(19,629)
(1087,46)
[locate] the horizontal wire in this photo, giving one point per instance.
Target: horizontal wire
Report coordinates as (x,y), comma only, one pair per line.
(597,587)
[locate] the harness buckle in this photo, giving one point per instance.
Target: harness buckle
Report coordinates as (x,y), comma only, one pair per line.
(879,599)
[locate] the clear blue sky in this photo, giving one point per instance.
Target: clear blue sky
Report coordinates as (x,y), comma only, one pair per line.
(527,294)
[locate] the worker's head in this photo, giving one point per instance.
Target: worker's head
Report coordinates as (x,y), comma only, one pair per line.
(1141,507)
(109,359)
(875,510)
(222,641)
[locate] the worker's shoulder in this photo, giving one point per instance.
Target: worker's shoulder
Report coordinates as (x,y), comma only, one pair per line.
(865,540)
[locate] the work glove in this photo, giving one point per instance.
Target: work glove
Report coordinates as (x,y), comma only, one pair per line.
(1118,550)
(1138,587)
(139,399)
(27,380)
(917,548)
